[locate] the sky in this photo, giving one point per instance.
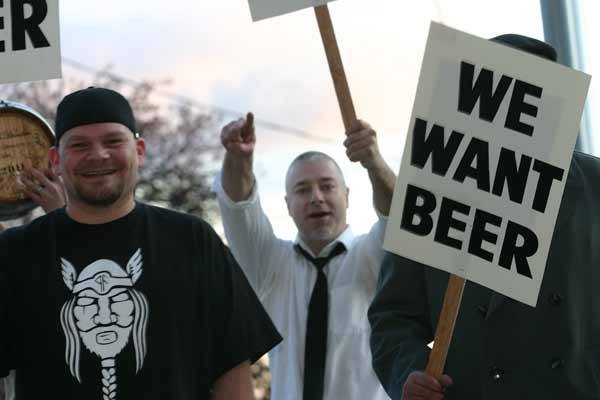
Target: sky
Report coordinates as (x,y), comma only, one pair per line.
(211,51)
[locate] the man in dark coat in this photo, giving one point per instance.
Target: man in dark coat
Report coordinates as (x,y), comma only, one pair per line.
(502,349)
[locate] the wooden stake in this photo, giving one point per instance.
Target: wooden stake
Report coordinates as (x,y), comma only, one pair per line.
(445,326)
(335,66)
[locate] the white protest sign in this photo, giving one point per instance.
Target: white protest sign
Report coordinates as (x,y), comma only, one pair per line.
(29,40)
(485,162)
(261,9)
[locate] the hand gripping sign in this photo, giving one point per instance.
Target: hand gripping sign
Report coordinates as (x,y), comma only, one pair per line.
(29,40)
(485,163)
(261,9)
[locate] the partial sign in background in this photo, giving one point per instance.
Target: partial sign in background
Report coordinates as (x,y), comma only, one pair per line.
(266,8)
(261,9)
(29,40)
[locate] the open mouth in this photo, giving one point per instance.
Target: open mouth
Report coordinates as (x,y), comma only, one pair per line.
(319,215)
(106,337)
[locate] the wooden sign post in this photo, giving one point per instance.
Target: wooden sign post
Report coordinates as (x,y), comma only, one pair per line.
(445,326)
(483,171)
(342,90)
(261,9)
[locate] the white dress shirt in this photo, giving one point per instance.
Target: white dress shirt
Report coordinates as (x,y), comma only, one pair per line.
(284,280)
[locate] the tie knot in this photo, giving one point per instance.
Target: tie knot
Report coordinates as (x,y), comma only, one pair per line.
(320,262)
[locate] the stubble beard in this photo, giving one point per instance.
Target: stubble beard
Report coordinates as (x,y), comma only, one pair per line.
(104,196)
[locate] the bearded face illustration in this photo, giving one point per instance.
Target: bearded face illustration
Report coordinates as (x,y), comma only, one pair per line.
(104,312)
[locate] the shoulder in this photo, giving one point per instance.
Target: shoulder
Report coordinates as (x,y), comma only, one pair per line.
(179,225)
(584,171)
(584,164)
(39,225)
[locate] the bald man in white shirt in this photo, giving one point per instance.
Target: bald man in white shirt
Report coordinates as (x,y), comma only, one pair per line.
(325,353)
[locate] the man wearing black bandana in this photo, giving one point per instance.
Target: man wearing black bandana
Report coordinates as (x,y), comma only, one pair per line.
(109,298)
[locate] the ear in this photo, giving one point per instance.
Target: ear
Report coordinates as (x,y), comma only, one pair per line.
(54,160)
(140,147)
(347,196)
(287,203)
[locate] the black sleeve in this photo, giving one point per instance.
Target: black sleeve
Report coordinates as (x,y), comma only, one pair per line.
(7,323)
(244,329)
(400,323)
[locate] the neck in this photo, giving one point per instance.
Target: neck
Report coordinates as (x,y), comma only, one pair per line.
(91,214)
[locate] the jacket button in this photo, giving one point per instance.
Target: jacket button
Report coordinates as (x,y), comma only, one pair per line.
(482,310)
(557,363)
(555,299)
(496,374)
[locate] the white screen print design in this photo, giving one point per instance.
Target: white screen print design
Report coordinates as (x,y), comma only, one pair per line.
(104,311)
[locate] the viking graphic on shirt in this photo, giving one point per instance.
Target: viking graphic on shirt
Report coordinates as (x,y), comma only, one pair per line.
(103,313)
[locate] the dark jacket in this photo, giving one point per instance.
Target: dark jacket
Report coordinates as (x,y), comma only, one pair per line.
(503,349)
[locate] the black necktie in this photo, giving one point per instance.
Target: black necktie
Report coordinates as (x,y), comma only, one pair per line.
(315,349)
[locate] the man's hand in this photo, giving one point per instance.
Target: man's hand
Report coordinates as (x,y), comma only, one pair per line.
(421,386)
(361,146)
(239,139)
(238,136)
(45,191)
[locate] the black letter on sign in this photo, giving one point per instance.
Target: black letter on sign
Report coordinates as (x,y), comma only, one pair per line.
(518,106)
(446,221)
(479,234)
(510,249)
(31,25)
(2,46)
(548,173)
(411,209)
(476,151)
(441,155)
(515,177)
(482,90)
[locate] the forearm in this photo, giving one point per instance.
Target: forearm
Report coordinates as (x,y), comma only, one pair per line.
(237,176)
(382,180)
(235,384)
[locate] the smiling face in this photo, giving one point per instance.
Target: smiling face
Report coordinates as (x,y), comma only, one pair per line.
(98,163)
(317,199)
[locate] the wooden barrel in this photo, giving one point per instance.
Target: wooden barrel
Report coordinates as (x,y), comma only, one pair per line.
(25,138)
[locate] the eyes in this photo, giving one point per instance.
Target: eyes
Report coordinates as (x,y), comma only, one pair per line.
(82,145)
(324,187)
(84,301)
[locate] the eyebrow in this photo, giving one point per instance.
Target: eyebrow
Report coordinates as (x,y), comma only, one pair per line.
(321,180)
(110,134)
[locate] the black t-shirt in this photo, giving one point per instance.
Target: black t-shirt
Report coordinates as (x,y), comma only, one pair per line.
(150,306)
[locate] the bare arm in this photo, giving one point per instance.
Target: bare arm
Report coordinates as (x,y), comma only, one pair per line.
(234,384)
(361,146)
(239,139)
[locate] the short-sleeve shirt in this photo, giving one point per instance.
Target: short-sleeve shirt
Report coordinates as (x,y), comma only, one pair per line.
(151,305)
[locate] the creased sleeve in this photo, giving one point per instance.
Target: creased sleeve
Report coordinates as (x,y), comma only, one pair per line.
(250,235)
(400,323)
(243,330)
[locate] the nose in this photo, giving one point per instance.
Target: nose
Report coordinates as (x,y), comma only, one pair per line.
(105,315)
(98,152)
(316,196)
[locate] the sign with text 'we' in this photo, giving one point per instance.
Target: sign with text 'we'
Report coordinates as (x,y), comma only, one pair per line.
(29,40)
(485,162)
(261,9)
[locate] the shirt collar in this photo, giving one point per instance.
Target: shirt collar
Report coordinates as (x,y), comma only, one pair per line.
(346,237)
